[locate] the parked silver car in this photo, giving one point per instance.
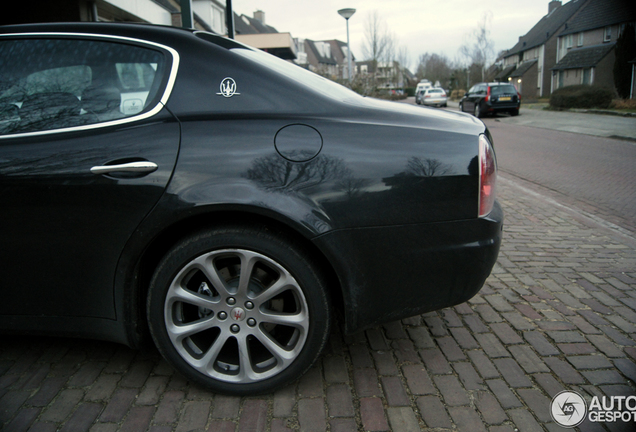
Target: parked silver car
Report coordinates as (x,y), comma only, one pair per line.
(434,97)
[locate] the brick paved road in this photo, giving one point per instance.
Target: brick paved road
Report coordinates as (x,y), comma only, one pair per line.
(559,312)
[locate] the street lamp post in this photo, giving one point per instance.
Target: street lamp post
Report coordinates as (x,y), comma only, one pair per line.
(346,14)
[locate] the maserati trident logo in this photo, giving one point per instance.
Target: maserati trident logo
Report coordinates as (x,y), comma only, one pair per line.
(228,88)
(237,314)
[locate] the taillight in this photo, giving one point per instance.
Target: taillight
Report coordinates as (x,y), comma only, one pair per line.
(487,176)
(488,94)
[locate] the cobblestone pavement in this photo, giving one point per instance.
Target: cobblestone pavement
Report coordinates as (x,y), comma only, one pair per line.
(558,312)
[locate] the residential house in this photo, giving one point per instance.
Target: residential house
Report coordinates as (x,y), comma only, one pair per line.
(327,58)
(320,58)
(528,64)
(208,15)
(211,12)
(163,12)
(585,47)
(387,75)
(390,75)
(254,31)
(339,50)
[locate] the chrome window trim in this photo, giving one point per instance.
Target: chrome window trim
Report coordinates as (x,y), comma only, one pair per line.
(155,110)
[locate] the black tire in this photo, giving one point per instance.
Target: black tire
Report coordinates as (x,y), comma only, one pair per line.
(461,107)
(514,112)
(279,317)
(477,113)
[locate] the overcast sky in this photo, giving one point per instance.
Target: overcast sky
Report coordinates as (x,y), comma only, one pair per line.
(434,26)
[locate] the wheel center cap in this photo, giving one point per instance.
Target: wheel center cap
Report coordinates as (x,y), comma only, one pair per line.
(237,314)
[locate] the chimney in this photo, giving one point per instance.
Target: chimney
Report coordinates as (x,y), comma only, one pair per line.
(260,15)
(554,4)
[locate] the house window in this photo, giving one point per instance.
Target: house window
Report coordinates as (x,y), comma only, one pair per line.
(568,41)
(587,76)
(218,19)
(608,34)
(580,40)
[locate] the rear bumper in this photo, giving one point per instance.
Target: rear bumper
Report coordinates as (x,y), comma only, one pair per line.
(400,271)
(435,101)
(503,107)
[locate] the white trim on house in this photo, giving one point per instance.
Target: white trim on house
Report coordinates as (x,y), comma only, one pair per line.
(146,10)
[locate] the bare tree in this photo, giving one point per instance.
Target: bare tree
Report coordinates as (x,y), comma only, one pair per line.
(402,57)
(435,67)
(377,39)
(478,48)
(420,70)
(428,167)
(277,174)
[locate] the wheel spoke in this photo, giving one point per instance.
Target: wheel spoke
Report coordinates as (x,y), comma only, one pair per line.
(246,371)
(248,260)
(206,363)
(180,294)
(282,356)
(299,320)
(206,265)
(180,332)
(282,284)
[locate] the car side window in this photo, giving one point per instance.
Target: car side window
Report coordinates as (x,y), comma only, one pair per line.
(473,90)
(49,84)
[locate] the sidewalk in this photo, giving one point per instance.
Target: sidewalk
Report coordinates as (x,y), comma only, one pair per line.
(558,313)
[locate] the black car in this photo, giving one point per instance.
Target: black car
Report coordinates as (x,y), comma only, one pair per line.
(418,96)
(175,183)
(491,98)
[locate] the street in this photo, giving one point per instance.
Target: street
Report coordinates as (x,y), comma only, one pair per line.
(557,313)
(570,157)
(595,174)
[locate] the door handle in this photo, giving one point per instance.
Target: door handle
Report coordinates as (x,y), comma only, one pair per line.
(132,167)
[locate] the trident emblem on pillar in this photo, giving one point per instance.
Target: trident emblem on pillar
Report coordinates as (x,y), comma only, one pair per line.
(228,88)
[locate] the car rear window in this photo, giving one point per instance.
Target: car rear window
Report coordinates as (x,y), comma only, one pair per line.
(436,91)
(502,89)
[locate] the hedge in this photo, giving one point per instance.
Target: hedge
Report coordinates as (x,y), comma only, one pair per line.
(581,96)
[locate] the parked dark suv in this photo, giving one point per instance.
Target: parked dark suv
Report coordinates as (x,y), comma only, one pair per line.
(491,98)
